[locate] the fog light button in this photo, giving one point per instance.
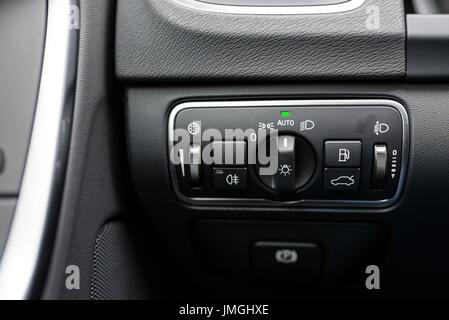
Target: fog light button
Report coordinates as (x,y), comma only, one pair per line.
(230,178)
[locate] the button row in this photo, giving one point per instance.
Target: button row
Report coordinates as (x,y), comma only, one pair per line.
(343,161)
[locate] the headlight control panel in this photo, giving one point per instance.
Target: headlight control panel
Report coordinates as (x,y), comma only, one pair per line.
(289,152)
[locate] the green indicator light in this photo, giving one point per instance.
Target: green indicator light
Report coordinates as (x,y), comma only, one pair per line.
(285,113)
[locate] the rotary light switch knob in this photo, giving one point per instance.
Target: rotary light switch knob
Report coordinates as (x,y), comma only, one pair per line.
(296,164)
(284,181)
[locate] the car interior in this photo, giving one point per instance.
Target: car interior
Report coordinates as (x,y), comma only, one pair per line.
(220,150)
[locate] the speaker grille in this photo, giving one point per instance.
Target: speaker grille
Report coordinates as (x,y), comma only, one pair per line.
(117,273)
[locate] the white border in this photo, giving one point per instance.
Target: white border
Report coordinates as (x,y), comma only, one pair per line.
(44,170)
(311,103)
(272,10)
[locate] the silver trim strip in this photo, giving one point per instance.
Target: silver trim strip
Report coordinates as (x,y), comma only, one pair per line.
(278,103)
(271,10)
(426,6)
(44,171)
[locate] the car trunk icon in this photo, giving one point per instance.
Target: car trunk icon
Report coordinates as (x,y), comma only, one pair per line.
(343,181)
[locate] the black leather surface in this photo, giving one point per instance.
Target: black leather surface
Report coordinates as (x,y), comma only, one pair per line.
(117,273)
(97,188)
(416,262)
(92,190)
(161,40)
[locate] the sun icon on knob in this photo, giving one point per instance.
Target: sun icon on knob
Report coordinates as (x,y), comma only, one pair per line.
(285,169)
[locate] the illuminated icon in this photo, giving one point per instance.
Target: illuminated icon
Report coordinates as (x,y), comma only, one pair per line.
(285,170)
(194,128)
(380,128)
(343,181)
(232,179)
(343,155)
(286,256)
(306,125)
(286,123)
(394,161)
(268,126)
